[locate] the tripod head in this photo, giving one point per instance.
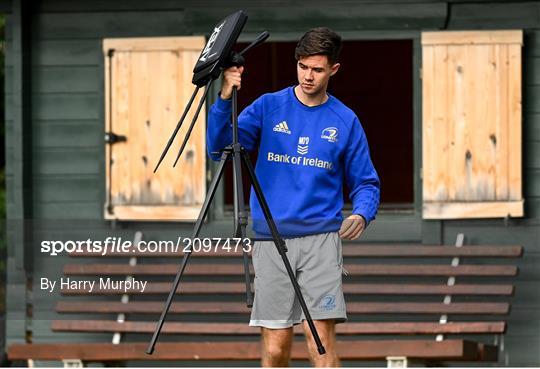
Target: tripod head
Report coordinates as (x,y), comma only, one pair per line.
(216,56)
(217,50)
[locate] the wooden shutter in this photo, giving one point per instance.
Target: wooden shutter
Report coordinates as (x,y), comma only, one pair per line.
(148,83)
(472,124)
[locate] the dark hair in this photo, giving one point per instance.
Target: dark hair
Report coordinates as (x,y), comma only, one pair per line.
(319,41)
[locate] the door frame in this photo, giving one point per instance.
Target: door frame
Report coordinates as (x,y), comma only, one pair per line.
(390,225)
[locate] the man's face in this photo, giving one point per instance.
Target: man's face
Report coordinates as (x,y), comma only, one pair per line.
(314,72)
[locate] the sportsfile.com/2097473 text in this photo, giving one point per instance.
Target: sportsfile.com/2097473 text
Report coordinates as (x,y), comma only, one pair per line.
(118,245)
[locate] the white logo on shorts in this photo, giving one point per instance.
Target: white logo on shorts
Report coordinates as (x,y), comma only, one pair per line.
(328,302)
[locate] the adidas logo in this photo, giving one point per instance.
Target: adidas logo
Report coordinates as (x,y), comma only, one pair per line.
(282,127)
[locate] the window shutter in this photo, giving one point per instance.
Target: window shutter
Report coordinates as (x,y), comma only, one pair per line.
(147,85)
(471,124)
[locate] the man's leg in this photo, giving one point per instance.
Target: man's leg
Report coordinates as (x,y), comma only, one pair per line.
(276,346)
(327,333)
(274,307)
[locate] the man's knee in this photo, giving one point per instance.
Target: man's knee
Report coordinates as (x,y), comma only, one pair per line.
(327,342)
(277,345)
(278,351)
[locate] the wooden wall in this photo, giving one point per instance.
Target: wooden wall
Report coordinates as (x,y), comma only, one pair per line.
(67,155)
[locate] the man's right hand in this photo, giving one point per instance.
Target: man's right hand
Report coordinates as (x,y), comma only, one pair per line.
(231,77)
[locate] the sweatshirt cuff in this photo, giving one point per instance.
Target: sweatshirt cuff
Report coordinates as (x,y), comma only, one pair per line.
(223,106)
(362,214)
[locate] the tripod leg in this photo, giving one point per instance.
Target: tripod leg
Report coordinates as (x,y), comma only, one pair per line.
(188,133)
(196,230)
(171,139)
(280,244)
(240,216)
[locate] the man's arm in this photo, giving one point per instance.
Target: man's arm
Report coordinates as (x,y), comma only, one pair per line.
(363,182)
(219,130)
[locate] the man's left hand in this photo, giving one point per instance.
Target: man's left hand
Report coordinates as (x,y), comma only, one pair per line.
(352,227)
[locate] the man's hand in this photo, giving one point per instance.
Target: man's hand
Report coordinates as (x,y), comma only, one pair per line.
(352,227)
(231,77)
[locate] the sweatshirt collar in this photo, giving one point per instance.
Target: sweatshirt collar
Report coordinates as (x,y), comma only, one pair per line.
(304,106)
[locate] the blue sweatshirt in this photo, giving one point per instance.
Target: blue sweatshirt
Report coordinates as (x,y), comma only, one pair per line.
(305,154)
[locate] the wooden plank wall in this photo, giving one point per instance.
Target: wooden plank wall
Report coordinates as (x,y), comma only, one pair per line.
(67,112)
(472,124)
(150,85)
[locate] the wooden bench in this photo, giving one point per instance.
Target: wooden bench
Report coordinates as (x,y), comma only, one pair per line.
(399,300)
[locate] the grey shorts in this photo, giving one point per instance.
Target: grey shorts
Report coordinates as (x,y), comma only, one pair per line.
(317,261)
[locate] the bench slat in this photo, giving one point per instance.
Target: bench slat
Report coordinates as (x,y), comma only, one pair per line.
(354,249)
(243,329)
(347,350)
(482,308)
(237,269)
(349,288)
(433,251)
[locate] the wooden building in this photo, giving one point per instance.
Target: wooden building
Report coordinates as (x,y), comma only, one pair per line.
(448,93)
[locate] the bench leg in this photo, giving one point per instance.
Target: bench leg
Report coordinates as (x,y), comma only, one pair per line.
(396,362)
(72,363)
(499,341)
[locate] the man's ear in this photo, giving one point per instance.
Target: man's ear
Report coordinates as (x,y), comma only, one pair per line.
(334,69)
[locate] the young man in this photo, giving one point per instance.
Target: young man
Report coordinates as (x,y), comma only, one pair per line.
(309,143)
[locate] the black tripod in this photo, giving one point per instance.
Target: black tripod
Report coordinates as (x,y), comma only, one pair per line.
(237,154)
